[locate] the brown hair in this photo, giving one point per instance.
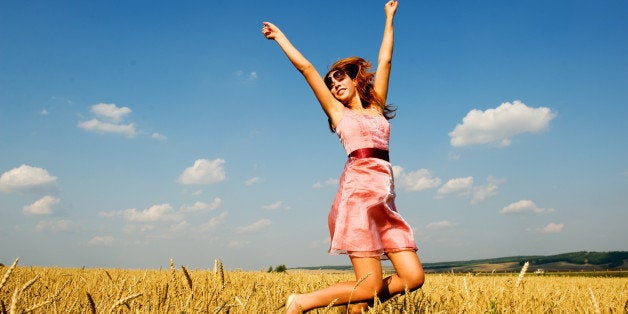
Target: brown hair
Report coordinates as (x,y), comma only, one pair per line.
(358,69)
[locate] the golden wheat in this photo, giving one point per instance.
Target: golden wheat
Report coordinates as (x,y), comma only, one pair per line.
(7,274)
(69,290)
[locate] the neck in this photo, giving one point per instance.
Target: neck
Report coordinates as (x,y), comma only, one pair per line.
(355,103)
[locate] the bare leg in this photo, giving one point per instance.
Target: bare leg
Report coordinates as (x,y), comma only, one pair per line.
(368,272)
(409,273)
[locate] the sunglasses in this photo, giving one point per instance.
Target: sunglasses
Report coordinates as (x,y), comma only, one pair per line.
(338,76)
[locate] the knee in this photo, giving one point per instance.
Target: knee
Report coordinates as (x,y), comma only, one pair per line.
(414,280)
(370,287)
(373,286)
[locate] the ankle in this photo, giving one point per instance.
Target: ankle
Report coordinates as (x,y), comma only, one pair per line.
(357,308)
(292,305)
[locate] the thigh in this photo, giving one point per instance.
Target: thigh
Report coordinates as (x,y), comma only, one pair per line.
(367,269)
(407,264)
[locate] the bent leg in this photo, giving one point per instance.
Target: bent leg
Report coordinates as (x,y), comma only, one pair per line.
(368,283)
(409,274)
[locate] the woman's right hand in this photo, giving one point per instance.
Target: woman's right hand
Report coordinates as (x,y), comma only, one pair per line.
(270,31)
(391,8)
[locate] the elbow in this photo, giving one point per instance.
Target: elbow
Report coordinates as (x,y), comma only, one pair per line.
(384,61)
(305,68)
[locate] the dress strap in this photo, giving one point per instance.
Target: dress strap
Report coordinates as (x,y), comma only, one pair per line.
(370,152)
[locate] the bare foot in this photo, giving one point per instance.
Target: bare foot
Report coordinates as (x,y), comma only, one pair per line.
(357,308)
(291,305)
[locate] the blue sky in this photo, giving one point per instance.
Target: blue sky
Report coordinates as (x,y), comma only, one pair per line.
(135,132)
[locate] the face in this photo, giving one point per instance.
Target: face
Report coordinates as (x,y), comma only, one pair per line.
(340,85)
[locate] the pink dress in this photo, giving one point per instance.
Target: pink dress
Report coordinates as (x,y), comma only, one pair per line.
(363,220)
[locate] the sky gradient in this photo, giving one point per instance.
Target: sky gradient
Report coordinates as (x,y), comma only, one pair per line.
(135,132)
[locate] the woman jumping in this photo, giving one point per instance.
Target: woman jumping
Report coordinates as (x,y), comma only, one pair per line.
(363,221)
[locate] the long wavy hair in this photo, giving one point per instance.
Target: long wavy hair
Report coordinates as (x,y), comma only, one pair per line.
(359,69)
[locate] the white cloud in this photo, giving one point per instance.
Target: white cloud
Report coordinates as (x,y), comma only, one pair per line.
(158,137)
(98,126)
(523,206)
(441,224)
(215,203)
(109,120)
(60,225)
(203,172)
(42,206)
(199,206)
(464,187)
(101,241)
(328,182)
(250,76)
(237,244)
(320,243)
(453,156)
(484,192)
(26,179)
(110,112)
(499,125)
(196,207)
(458,186)
(163,212)
(418,180)
(252,181)
(254,227)
(174,230)
(273,206)
(551,228)
(214,222)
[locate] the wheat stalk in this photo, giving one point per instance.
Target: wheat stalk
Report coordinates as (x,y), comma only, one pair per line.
(523,272)
(188,279)
(121,290)
(467,300)
(357,283)
(163,296)
(36,306)
(92,304)
(173,271)
(330,305)
(18,292)
(110,278)
(466,287)
(221,273)
(596,307)
(124,301)
(8,273)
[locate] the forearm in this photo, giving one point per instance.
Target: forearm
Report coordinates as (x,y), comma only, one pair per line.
(330,105)
(386,49)
(295,57)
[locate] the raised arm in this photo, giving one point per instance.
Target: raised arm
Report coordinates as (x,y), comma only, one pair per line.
(384,60)
(332,107)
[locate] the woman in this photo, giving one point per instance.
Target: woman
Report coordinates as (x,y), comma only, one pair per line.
(363,221)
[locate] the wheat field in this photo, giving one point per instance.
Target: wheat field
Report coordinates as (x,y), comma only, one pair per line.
(176,289)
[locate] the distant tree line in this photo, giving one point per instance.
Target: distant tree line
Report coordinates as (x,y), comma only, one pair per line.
(279,269)
(611,259)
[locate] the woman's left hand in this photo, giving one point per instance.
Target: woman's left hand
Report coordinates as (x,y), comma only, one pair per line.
(270,31)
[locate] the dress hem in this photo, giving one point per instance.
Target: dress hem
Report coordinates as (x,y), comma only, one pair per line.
(382,254)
